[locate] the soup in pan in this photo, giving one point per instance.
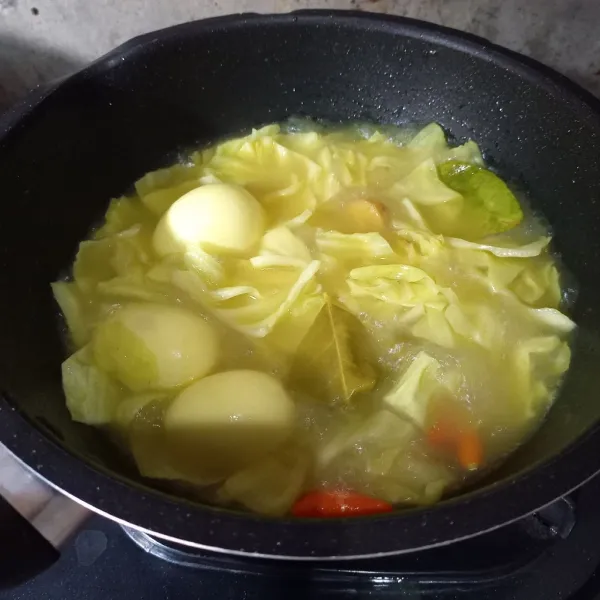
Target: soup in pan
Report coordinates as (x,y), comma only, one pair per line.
(317,322)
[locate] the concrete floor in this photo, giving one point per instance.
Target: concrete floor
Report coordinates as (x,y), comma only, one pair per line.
(44,39)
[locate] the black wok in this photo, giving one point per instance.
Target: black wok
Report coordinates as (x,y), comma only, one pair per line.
(65,152)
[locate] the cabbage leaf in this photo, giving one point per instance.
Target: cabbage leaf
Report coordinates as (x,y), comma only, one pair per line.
(257,316)
(92,396)
(424,187)
(410,397)
(280,247)
(526,251)
(271,486)
(71,303)
(548,355)
(350,246)
(122,214)
(382,429)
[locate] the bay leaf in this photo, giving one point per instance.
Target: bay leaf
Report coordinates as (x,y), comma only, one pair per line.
(329,363)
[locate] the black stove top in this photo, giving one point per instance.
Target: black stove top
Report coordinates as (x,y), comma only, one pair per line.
(553,554)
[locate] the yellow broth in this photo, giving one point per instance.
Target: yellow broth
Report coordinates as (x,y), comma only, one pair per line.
(404,308)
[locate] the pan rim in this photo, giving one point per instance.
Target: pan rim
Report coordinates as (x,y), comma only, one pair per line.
(203,526)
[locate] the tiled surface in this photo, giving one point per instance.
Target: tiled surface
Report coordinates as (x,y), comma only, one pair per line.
(41,39)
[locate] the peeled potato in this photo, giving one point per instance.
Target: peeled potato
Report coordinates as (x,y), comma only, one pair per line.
(220,217)
(226,421)
(155,347)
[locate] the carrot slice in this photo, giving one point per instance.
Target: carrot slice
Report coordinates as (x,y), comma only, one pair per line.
(469,450)
(323,503)
(463,441)
(442,433)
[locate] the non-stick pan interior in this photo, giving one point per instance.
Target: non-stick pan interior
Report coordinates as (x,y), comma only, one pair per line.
(162,94)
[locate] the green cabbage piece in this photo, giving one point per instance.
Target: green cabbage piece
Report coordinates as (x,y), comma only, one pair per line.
(380,450)
(288,183)
(364,246)
(538,363)
(123,254)
(280,247)
(525,251)
(408,477)
(382,429)
(415,244)
(167,178)
(208,267)
(554,319)
(93,264)
(397,284)
(135,287)
(118,350)
(122,214)
(410,396)
(255,317)
(92,396)
(261,164)
(538,285)
(489,206)
(431,139)
(434,326)
(271,486)
(534,281)
(291,206)
(405,298)
(159,201)
(115,268)
(71,302)
(411,217)
(159,189)
(424,187)
(467,153)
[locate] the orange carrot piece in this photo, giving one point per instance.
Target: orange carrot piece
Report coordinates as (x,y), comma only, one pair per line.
(333,503)
(443,432)
(469,450)
(464,442)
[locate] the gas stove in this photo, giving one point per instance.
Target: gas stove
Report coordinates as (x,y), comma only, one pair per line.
(552,554)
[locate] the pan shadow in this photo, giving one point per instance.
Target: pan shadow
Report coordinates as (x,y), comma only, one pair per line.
(24,65)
